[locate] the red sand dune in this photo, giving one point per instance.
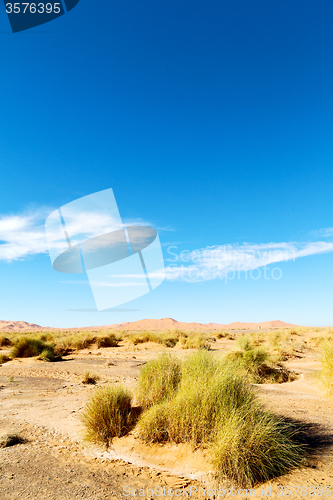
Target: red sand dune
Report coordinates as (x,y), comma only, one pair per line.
(148,324)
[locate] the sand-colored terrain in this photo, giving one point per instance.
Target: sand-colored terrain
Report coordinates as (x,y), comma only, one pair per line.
(43,401)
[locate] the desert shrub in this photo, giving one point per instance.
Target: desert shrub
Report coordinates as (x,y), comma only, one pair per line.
(216,407)
(10,440)
(169,339)
(257,364)
(27,348)
(206,392)
(194,341)
(89,378)
(158,380)
(82,342)
(221,335)
(255,446)
(107,415)
(326,373)
(4,358)
(107,341)
(48,354)
(5,341)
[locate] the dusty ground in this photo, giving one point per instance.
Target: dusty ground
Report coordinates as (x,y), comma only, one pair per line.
(43,401)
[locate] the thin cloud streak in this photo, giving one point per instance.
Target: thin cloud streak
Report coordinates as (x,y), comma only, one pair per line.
(23,236)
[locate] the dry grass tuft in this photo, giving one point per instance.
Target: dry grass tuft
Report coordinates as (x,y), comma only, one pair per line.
(194,341)
(326,373)
(259,366)
(11,440)
(107,415)
(28,348)
(90,378)
(214,406)
(169,339)
(5,342)
(4,358)
(158,380)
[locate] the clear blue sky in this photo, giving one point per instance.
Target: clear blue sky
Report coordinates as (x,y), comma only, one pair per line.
(212,120)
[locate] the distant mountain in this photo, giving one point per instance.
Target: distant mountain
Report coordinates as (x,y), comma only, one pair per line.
(20,326)
(171,324)
(148,324)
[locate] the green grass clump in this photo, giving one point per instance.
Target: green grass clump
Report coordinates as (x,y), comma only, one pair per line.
(215,407)
(194,341)
(256,362)
(107,415)
(4,358)
(89,378)
(326,373)
(158,380)
(28,348)
(11,440)
(169,339)
(254,446)
(5,341)
(107,341)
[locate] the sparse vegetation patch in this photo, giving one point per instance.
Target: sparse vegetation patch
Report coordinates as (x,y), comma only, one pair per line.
(11,440)
(214,406)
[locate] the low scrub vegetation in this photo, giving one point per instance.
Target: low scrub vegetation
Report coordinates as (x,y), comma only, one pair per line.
(107,415)
(169,339)
(11,440)
(194,341)
(326,373)
(5,341)
(28,347)
(159,380)
(214,406)
(258,364)
(90,378)
(4,358)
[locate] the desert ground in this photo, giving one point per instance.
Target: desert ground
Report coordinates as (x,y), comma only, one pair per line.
(42,402)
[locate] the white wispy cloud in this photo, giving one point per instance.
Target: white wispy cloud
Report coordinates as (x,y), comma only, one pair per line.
(325,232)
(23,235)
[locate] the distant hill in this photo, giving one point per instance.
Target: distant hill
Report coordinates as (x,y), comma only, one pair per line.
(171,324)
(148,324)
(20,326)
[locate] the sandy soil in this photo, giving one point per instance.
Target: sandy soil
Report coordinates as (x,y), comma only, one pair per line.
(43,401)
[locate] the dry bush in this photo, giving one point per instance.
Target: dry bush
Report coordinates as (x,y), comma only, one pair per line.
(89,378)
(107,341)
(194,341)
(107,415)
(5,342)
(28,348)
(169,339)
(222,335)
(11,440)
(4,358)
(257,364)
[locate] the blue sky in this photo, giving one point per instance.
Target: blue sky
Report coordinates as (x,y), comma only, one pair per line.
(212,121)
